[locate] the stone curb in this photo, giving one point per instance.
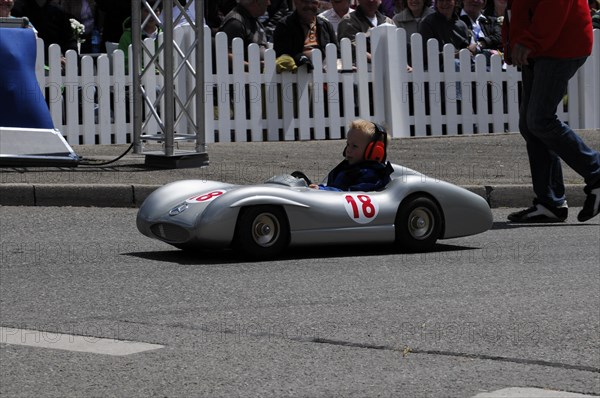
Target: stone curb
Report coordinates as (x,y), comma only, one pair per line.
(522,195)
(88,195)
(126,195)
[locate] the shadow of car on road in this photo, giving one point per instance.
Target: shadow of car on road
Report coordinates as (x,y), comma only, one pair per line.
(228,256)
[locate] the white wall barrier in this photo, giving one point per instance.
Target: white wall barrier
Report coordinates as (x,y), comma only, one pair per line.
(248,100)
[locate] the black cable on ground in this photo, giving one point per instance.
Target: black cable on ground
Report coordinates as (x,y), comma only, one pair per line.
(82,163)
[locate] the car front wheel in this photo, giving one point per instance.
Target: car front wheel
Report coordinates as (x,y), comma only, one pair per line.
(262,231)
(418,224)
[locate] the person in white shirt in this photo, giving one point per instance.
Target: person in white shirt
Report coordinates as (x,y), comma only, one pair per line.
(340,8)
(362,20)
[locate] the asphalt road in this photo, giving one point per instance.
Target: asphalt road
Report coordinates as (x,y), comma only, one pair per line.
(515,306)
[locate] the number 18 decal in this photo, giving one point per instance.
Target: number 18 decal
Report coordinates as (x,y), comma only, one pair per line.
(361,208)
(206,197)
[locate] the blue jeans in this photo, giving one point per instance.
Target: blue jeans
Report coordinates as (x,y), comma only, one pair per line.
(548,139)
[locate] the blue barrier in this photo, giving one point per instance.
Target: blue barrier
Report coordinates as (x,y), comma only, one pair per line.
(22,103)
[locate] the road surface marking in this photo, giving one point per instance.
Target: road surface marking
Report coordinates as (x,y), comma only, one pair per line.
(69,342)
(525,392)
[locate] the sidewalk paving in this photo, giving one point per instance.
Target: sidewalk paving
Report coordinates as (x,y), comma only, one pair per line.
(496,161)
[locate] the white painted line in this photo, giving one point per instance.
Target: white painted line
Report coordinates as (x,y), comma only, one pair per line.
(525,392)
(69,342)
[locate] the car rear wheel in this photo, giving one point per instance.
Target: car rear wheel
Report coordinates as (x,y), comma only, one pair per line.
(418,224)
(262,231)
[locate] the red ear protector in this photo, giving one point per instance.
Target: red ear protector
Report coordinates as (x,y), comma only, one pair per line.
(377,149)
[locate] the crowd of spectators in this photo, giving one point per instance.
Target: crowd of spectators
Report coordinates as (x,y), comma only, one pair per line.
(291,27)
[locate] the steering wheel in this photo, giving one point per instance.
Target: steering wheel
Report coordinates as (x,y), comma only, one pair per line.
(301,175)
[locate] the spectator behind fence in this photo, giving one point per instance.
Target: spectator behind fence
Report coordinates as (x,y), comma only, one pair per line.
(595,12)
(388,8)
(486,32)
(211,15)
(276,12)
(6,7)
(83,11)
(243,22)
(411,16)
(365,18)
(212,19)
(444,26)
(190,6)
(399,6)
(50,21)
(225,6)
(324,5)
(150,28)
(301,32)
(340,8)
(114,14)
(549,50)
(495,8)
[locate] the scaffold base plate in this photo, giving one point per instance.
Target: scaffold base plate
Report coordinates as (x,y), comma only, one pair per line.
(176,161)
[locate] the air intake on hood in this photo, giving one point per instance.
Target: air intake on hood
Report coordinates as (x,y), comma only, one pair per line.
(170,232)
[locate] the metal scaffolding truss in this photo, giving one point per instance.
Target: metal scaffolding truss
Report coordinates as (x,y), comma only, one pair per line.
(157,67)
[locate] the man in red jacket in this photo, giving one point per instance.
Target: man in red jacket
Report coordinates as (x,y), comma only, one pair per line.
(550,40)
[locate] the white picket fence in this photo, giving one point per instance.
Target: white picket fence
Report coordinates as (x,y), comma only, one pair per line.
(90,101)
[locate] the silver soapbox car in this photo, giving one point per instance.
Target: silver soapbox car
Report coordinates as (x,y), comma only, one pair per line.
(262,220)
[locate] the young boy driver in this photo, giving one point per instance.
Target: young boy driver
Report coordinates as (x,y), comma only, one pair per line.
(364,167)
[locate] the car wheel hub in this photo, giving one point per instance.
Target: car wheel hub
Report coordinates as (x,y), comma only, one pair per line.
(420,223)
(265,230)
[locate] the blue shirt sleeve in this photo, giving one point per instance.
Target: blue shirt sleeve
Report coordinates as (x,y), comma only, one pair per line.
(366,180)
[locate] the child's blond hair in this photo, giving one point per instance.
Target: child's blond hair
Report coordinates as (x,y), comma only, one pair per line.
(367,128)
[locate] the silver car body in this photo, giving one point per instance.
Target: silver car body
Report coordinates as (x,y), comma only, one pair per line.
(203,214)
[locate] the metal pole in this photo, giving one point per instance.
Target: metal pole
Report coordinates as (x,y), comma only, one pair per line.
(200,88)
(169,103)
(135,93)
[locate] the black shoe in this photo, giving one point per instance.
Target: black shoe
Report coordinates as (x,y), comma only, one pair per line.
(591,206)
(539,213)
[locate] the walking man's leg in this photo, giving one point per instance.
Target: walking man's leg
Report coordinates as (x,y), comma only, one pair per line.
(545,82)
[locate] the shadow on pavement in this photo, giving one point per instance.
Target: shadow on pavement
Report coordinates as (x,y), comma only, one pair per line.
(498,225)
(297,253)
